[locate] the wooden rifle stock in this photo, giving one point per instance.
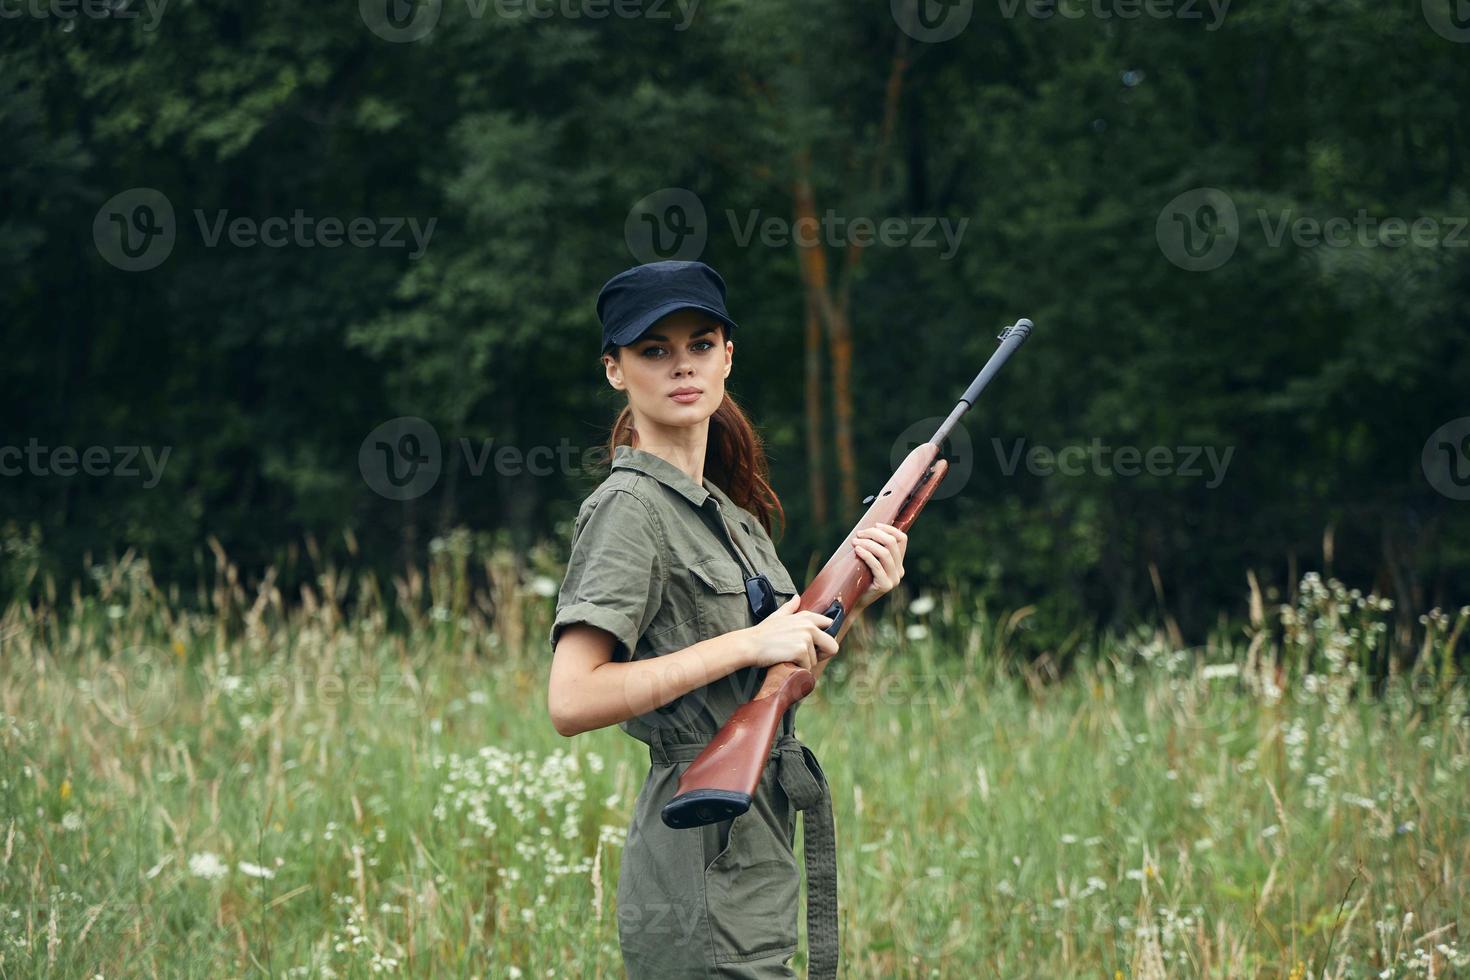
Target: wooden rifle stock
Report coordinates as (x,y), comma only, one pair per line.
(721,781)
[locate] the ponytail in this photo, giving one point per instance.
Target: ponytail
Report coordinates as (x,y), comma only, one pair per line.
(735,460)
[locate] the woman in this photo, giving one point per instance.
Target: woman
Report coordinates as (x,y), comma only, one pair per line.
(654,632)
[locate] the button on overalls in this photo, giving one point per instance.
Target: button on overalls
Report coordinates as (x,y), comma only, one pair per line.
(660,562)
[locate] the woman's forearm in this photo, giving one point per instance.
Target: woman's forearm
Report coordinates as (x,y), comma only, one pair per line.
(616,691)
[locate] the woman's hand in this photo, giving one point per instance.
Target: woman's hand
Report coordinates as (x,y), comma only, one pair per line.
(791,636)
(881,547)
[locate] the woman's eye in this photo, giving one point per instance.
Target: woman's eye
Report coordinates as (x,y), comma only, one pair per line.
(700,345)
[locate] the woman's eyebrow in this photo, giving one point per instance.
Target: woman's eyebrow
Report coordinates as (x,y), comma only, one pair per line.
(698,333)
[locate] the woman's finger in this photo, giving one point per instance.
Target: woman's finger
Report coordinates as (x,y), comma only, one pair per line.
(878,533)
(885,556)
(869,554)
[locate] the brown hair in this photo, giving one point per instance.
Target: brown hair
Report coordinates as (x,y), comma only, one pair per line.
(735,458)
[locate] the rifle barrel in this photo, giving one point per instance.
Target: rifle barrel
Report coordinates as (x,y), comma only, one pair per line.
(1011,338)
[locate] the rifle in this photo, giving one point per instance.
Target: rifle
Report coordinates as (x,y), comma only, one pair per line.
(722,779)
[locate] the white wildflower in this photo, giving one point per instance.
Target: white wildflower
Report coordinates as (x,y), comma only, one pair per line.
(921,606)
(207,864)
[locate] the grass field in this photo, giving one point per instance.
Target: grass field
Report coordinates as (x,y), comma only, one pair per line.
(252,789)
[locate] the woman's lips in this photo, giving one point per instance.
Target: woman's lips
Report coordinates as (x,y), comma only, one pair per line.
(687,398)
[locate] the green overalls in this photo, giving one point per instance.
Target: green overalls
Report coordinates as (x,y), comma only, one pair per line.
(660,563)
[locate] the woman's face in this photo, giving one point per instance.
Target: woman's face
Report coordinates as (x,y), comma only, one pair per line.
(682,351)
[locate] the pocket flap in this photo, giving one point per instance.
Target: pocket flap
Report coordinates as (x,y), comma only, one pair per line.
(782,581)
(720,574)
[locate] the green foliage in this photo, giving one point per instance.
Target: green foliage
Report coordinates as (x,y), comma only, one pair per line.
(254,786)
(1059,140)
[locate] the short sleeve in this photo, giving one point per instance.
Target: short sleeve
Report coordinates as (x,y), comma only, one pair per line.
(615,573)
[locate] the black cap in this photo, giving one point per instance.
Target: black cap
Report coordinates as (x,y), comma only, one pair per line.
(632,301)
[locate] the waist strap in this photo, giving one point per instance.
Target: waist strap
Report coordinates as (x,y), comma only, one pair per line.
(801,777)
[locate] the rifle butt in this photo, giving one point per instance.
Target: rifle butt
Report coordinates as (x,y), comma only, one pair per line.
(721,781)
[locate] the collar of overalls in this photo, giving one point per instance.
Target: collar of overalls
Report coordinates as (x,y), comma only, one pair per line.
(631,458)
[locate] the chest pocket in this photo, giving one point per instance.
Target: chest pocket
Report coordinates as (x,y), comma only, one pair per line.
(719,596)
(759,547)
(781,581)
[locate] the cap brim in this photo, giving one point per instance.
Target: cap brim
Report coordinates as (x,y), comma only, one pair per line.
(637,328)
